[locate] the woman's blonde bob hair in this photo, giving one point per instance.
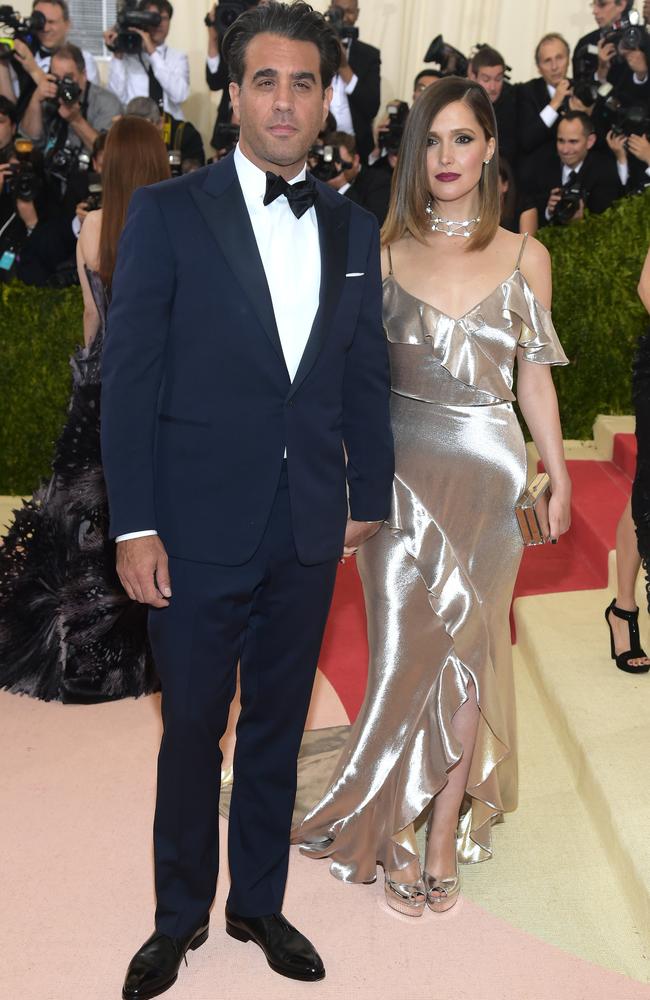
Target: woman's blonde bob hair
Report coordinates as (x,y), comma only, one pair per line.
(410,192)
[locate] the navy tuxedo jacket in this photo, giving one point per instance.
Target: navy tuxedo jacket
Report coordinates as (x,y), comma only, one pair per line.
(197,404)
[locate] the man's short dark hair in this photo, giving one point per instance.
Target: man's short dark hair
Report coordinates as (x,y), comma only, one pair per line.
(297,21)
(8,109)
(342,139)
(484,57)
(580,116)
(73,52)
(162,6)
(63,4)
(426,72)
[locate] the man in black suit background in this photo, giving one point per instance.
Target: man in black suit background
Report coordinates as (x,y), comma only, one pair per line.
(361,184)
(609,66)
(575,163)
(356,86)
(488,67)
(540,99)
(245,407)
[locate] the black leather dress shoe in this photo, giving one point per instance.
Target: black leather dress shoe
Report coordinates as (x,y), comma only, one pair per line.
(287,950)
(154,968)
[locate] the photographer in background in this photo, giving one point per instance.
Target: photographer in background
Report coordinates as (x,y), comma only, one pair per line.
(66,112)
(91,197)
(608,67)
(575,176)
(156,70)
(217,21)
(361,184)
(356,86)
(423,80)
(539,100)
(488,67)
(179,136)
(28,64)
(8,123)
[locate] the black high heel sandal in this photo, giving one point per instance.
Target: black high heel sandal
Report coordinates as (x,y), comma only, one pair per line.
(635,652)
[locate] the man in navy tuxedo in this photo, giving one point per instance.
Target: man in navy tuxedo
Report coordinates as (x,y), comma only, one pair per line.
(245,383)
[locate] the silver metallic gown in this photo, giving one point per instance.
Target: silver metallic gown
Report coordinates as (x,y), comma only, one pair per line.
(438,580)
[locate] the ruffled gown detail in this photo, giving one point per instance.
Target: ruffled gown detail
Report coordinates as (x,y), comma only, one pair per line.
(438,580)
(68,632)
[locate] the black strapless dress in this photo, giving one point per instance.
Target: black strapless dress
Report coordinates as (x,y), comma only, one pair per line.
(641,487)
(67,629)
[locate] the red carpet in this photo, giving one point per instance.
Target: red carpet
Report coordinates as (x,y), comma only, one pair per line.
(578,562)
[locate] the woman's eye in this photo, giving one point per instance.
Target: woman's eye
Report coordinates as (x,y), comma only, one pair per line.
(464,139)
(431,141)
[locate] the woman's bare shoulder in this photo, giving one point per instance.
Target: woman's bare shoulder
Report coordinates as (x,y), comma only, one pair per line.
(89,238)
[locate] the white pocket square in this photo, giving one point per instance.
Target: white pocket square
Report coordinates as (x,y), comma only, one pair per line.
(355,274)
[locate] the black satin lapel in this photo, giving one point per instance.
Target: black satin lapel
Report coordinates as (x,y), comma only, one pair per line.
(230,224)
(333,226)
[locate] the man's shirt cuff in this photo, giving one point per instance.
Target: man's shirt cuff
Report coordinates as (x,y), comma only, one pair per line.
(135,534)
(549,116)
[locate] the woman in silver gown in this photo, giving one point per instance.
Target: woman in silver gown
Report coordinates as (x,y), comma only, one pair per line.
(436,732)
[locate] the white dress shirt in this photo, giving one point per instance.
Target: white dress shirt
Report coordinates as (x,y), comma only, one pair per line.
(290,252)
(128,77)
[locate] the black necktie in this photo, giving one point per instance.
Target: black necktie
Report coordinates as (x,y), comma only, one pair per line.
(301,196)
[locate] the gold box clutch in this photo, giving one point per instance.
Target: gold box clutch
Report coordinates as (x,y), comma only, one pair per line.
(532,511)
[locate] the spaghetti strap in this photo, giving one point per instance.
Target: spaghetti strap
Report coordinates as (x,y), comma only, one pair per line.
(390,259)
(521,251)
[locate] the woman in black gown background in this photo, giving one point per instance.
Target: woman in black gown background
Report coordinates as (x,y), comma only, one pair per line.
(68,632)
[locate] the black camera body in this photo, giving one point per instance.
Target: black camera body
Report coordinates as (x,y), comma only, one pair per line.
(25,182)
(129,17)
(451,61)
(626,31)
(335,17)
(569,203)
(225,136)
(226,13)
(324,161)
(67,90)
(23,28)
(389,138)
(94,199)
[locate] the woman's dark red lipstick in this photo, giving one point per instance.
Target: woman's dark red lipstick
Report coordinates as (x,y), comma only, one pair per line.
(446,178)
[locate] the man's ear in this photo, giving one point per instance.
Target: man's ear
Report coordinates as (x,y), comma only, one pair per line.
(591,139)
(234,90)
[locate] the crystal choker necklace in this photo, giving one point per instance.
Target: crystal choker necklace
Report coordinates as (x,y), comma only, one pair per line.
(465,229)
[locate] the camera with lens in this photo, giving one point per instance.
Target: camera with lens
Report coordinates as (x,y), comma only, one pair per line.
(226,13)
(225,137)
(324,161)
(632,120)
(67,90)
(62,161)
(25,182)
(94,199)
(23,28)
(127,41)
(450,60)
(389,137)
(627,31)
(335,17)
(569,203)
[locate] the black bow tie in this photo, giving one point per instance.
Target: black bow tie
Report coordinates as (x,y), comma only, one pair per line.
(301,196)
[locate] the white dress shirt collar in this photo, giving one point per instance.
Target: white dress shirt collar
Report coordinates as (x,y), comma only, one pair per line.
(253,180)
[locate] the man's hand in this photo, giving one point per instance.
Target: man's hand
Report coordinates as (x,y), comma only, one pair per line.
(5,172)
(143,569)
(639,146)
(606,52)
(554,198)
(27,213)
(147,42)
(109,41)
(47,87)
(358,532)
(562,90)
(70,113)
(617,145)
(81,211)
(26,57)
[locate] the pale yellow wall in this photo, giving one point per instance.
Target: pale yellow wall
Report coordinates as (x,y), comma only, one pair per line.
(402,29)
